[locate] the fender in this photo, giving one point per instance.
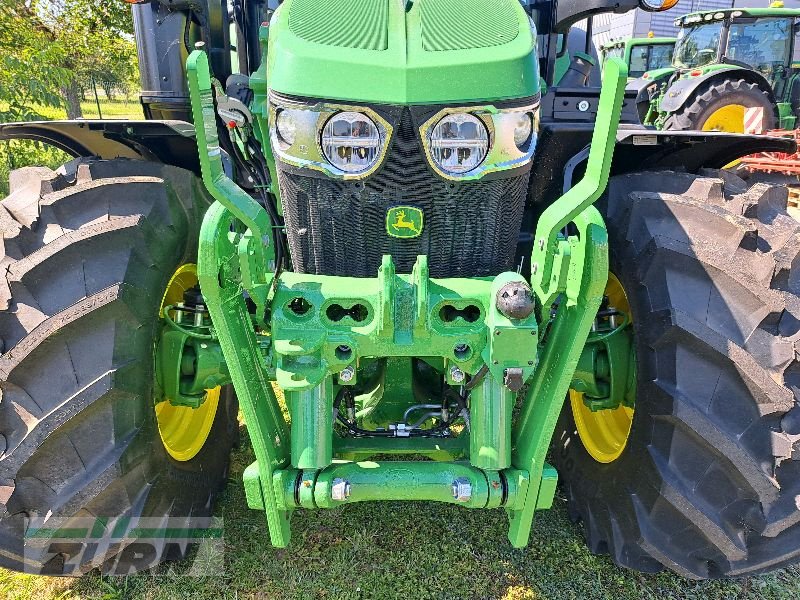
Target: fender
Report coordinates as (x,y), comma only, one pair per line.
(168,142)
(566,132)
(682,90)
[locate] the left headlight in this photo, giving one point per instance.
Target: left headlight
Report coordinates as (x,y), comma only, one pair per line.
(459,143)
(341,141)
(351,142)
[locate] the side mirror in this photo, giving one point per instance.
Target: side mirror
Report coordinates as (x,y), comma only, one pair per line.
(657,5)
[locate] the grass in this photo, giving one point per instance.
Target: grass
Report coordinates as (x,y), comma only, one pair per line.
(119,108)
(400,550)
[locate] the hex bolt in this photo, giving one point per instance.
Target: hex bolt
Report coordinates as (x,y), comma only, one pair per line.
(198,316)
(340,490)
(584,105)
(456,374)
(462,490)
(347,374)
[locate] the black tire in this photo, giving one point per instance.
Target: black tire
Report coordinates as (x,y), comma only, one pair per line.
(708,483)
(87,255)
(719,94)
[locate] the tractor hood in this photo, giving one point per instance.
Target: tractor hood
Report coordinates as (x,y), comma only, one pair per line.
(403,51)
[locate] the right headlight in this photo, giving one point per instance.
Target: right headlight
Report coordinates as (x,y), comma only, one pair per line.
(468,143)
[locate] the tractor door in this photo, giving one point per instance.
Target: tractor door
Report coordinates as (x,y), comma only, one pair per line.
(765,45)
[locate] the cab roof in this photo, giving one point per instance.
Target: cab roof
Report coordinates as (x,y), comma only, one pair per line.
(707,16)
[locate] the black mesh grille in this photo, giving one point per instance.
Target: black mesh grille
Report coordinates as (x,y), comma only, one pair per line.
(337,228)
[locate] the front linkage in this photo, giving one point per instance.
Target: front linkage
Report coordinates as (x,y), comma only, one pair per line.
(315,336)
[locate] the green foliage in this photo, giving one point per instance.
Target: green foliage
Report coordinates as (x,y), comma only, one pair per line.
(31,69)
(50,50)
(22,153)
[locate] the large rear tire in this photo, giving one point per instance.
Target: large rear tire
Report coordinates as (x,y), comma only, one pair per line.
(87,255)
(721,106)
(708,481)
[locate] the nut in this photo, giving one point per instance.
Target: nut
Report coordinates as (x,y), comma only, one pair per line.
(347,374)
(340,490)
(456,374)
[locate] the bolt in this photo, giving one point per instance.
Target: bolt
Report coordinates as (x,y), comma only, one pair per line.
(347,374)
(534,268)
(530,363)
(199,45)
(541,243)
(198,316)
(340,490)
(456,374)
(462,489)
(583,105)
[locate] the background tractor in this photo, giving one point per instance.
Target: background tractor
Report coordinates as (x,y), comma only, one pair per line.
(640,54)
(733,70)
(397,231)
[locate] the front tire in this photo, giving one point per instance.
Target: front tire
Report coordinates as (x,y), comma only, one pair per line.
(87,255)
(708,481)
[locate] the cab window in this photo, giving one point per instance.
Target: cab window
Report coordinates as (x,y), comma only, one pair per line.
(660,57)
(761,43)
(639,57)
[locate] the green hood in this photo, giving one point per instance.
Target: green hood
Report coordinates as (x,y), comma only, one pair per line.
(399,52)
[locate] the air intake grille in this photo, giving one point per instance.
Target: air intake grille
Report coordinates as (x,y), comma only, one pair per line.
(361,24)
(336,228)
(466,24)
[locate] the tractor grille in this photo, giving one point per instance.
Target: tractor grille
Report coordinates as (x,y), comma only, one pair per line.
(339,228)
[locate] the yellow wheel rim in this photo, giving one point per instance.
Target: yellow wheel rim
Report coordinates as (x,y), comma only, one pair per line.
(184,430)
(604,433)
(729,119)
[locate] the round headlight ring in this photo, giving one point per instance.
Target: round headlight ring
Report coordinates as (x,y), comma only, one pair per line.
(459,143)
(351,142)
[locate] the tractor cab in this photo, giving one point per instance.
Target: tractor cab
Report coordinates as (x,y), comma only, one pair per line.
(757,39)
(640,54)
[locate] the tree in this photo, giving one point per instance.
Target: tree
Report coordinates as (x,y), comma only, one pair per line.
(31,69)
(53,48)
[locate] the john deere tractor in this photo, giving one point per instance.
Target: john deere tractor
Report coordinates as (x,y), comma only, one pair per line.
(641,54)
(726,62)
(424,268)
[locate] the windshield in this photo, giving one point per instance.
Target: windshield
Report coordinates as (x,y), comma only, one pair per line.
(697,46)
(763,44)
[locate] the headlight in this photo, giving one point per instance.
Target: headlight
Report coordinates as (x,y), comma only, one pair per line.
(286,126)
(523,129)
(459,143)
(351,142)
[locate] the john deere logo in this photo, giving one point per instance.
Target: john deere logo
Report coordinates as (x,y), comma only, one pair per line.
(404,222)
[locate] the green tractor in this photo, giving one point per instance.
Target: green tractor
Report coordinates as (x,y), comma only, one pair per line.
(733,70)
(423,267)
(640,54)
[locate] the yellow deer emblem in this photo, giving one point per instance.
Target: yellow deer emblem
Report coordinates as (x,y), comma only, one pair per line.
(401,223)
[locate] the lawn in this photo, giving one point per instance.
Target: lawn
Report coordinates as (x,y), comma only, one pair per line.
(398,550)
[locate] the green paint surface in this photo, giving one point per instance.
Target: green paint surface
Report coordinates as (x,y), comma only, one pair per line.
(425,52)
